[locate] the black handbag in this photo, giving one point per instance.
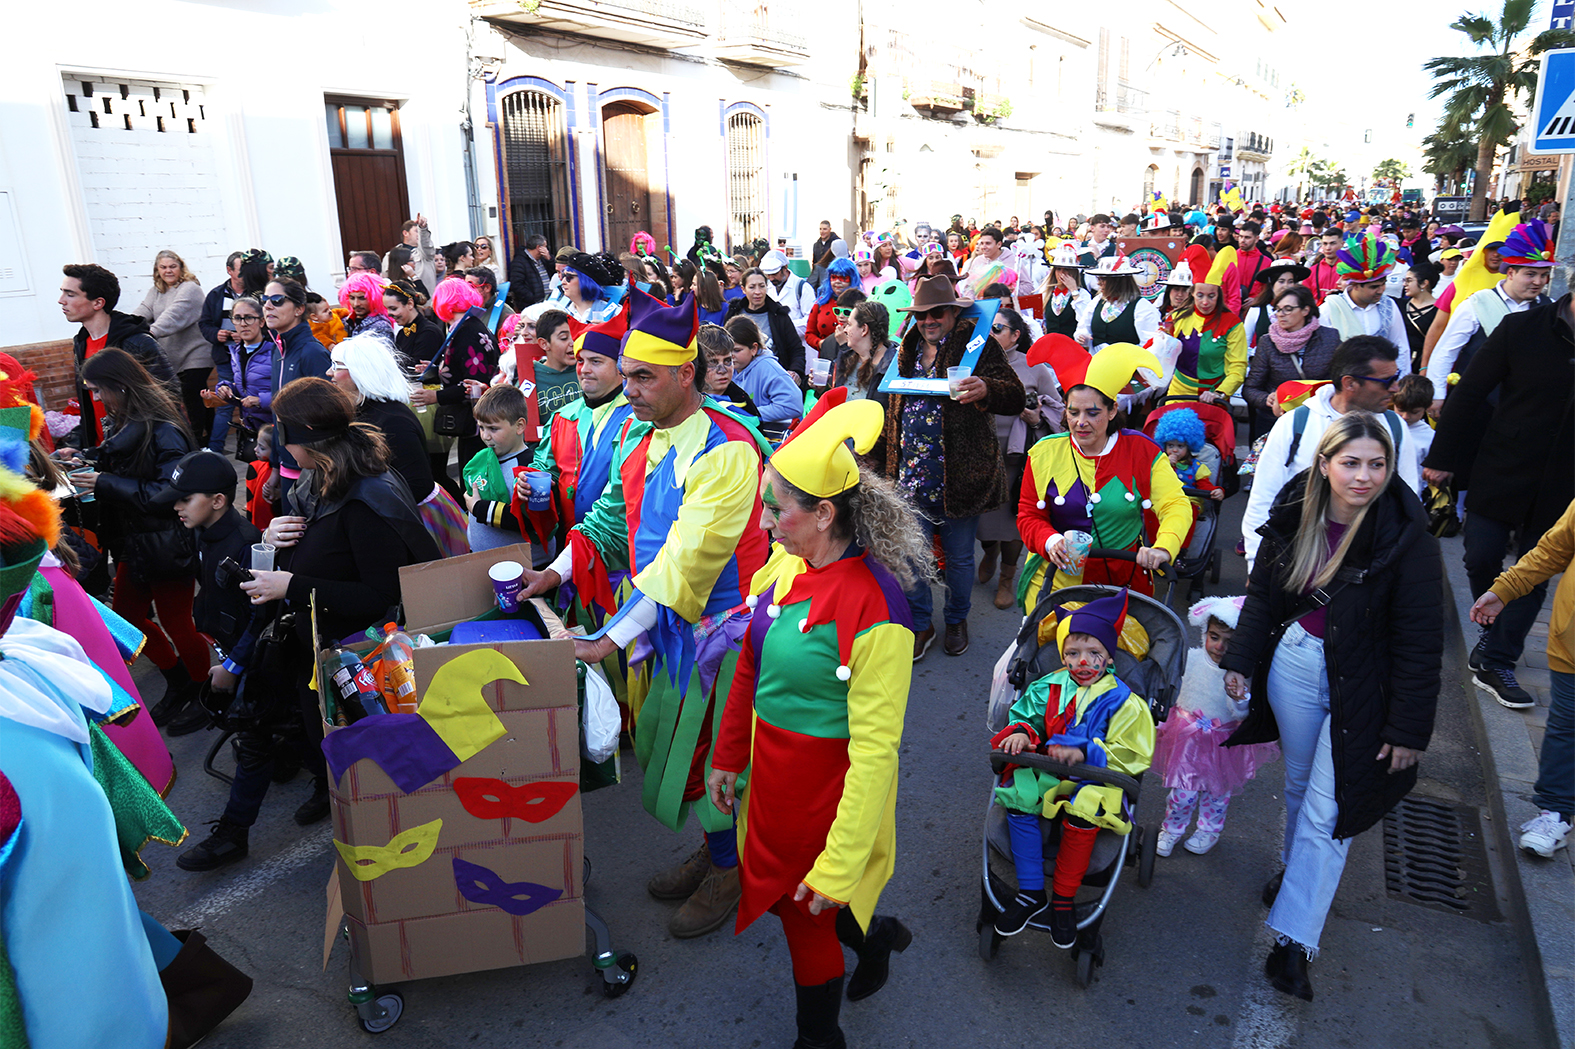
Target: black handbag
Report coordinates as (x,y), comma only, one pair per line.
(267,690)
(448,420)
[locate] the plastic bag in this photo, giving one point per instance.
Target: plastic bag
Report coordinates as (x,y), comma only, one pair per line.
(1002,694)
(599,738)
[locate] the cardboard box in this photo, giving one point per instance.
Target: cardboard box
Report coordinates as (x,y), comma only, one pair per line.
(412,922)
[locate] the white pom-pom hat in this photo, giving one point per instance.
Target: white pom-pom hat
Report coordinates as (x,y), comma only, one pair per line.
(1226,609)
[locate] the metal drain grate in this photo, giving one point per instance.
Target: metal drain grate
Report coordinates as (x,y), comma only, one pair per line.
(1434,856)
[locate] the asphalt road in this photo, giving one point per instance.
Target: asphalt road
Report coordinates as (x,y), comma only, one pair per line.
(1184,957)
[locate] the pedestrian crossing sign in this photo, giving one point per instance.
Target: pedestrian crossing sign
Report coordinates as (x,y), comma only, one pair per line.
(1553,114)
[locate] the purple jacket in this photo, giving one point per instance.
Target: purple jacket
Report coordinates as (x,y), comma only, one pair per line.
(253,373)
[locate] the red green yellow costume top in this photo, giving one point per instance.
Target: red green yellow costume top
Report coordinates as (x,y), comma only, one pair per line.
(1127,492)
(1214,345)
(818,700)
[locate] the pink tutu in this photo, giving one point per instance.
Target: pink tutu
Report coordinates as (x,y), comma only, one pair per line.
(1188,753)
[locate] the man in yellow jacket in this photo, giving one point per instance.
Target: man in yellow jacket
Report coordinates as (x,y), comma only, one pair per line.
(1554,792)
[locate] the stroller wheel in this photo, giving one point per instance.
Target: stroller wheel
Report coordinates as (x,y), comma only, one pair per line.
(1085,969)
(989,942)
(1148,848)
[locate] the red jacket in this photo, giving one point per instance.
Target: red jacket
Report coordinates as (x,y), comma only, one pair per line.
(821,323)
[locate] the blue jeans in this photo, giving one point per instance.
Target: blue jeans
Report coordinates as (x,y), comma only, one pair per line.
(1314,860)
(957,541)
(221,428)
(1555,789)
(1487,541)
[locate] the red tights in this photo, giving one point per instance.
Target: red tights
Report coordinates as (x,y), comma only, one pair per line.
(135,601)
(1071,859)
(812,941)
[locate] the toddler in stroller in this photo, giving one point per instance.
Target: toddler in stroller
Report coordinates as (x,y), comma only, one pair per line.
(1081,713)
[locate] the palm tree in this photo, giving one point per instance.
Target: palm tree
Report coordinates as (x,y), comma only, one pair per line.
(1391,172)
(1447,154)
(1482,87)
(1302,164)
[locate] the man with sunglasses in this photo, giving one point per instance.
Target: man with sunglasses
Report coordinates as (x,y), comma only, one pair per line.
(1360,376)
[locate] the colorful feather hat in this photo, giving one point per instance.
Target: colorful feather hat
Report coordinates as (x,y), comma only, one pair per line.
(1528,244)
(1365,259)
(29,519)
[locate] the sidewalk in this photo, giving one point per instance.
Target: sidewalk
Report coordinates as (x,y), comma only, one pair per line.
(1542,891)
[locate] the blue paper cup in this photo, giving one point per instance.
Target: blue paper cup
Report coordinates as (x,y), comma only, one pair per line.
(540,490)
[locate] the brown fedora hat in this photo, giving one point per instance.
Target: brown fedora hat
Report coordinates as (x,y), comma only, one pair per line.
(933,292)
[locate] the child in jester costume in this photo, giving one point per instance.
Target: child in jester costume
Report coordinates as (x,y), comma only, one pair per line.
(1079,714)
(1114,484)
(681,514)
(816,711)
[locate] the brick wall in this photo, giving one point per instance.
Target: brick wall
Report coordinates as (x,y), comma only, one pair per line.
(55,368)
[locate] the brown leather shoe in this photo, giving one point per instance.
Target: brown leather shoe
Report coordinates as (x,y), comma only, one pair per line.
(708,909)
(956,638)
(1006,591)
(922,642)
(987,563)
(681,881)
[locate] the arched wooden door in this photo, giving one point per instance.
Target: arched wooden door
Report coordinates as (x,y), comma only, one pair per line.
(626,184)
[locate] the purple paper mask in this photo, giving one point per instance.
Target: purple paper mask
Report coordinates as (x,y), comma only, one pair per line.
(479,885)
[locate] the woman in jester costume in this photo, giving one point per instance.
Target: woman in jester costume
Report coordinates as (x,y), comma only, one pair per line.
(816,710)
(680,514)
(1114,484)
(1213,359)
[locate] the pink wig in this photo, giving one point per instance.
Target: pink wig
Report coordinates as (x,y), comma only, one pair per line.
(368,284)
(454,295)
(642,244)
(510,322)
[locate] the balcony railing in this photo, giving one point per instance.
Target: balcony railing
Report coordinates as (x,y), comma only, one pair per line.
(1120,98)
(652,23)
(752,37)
(934,94)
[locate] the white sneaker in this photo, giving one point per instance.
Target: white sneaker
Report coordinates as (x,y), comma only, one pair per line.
(1545,835)
(1165,843)
(1201,841)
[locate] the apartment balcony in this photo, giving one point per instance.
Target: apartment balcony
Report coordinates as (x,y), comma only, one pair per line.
(1166,126)
(750,37)
(1255,147)
(650,23)
(934,94)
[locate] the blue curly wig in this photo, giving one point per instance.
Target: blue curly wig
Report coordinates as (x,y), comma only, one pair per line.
(1181,424)
(840,268)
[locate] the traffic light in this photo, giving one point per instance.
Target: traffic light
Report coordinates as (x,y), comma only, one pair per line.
(1410,119)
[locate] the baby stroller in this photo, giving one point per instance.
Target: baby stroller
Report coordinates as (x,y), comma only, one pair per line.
(1219,455)
(1156,678)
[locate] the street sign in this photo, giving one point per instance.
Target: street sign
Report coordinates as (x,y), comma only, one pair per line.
(1451,209)
(1563,14)
(1553,113)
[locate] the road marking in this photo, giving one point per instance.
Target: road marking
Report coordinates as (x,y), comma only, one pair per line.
(221,901)
(1267,1019)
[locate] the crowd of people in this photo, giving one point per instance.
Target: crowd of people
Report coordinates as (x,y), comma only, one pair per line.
(729,445)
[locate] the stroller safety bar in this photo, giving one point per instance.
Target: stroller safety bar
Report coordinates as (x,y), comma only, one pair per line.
(999,759)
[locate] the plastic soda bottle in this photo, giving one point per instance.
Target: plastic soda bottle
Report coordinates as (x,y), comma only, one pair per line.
(399,670)
(358,695)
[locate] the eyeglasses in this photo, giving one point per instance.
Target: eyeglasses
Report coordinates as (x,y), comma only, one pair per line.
(276,300)
(243,320)
(841,312)
(1385,383)
(1282,310)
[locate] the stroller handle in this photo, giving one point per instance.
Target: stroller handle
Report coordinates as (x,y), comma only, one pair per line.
(999,759)
(1164,571)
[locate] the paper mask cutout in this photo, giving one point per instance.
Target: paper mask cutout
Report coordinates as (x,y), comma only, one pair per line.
(405,746)
(408,848)
(479,885)
(493,799)
(453,704)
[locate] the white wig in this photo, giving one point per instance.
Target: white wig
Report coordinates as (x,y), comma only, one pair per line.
(373,367)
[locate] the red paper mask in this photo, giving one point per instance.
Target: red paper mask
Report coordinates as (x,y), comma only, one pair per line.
(493,799)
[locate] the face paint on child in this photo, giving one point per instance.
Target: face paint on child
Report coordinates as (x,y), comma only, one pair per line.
(1085,658)
(1216,640)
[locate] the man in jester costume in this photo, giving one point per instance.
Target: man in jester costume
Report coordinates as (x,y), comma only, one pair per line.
(680,513)
(816,711)
(1079,714)
(581,443)
(1113,484)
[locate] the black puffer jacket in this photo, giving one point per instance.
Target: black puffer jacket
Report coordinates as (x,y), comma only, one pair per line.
(148,539)
(1383,644)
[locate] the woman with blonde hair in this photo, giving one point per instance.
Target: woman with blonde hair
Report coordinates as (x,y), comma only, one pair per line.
(173,306)
(1339,645)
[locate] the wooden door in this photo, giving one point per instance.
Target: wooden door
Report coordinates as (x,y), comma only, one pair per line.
(369,174)
(626,186)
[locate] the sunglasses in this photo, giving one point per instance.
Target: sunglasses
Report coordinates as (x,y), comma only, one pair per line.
(840,312)
(1385,383)
(937,313)
(998,328)
(276,300)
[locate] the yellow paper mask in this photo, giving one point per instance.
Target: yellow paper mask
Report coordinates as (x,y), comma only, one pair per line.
(454,706)
(409,848)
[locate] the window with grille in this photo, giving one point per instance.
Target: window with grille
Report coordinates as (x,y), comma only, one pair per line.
(746,178)
(353,125)
(536,167)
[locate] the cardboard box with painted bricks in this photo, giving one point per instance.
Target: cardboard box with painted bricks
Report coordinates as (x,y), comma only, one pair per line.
(468,941)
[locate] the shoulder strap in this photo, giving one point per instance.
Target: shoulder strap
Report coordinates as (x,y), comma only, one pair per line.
(1298,424)
(1394,428)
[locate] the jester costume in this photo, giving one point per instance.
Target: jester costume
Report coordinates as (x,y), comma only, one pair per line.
(1213,346)
(1111,727)
(680,514)
(816,715)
